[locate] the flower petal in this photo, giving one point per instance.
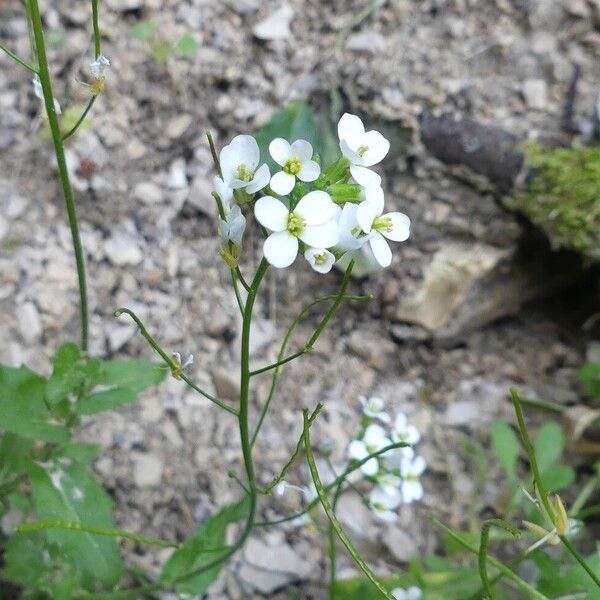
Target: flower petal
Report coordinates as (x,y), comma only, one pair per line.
(281,249)
(350,154)
(374,436)
(374,195)
(310,171)
(381,250)
(271,213)
(302,149)
(321,236)
(316,208)
(351,129)
(377,146)
(243,149)
(364,176)
(280,150)
(400,227)
(357,450)
(282,183)
(324,267)
(225,192)
(371,467)
(261,180)
(365,215)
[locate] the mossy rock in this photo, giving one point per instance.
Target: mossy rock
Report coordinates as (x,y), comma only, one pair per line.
(563,198)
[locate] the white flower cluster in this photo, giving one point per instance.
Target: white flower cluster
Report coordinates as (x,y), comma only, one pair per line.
(323,214)
(396,472)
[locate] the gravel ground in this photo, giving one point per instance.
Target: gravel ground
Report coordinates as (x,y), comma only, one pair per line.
(148,227)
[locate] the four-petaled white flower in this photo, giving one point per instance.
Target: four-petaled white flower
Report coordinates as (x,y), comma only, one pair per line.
(411,470)
(98,67)
(239,161)
(394,226)
(373,440)
(411,593)
(233,226)
(384,504)
(311,221)
(373,408)
(403,432)
(362,148)
(39,93)
(296,162)
(320,259)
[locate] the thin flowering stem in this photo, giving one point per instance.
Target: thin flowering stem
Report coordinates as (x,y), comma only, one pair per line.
(279,363)
(44,75)
(18,59)
(173,366)
(332,550)
(483,550)
(81,119)
(106,531)
(295,455)
(526,587)
(331,514)
(286,339)
(97,42)
(215,156)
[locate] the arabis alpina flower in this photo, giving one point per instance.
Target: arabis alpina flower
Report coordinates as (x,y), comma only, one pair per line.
(373,408)
(320,259)
(224,191)
(362,148)
(373,440)
(98,67)
(311,221)
(411,593)
(239,161)
(177,371)
(560,524)
(410,470)
(233,226)
(394,226)
(384,504)
(296,162)
(403,432)
(39,93)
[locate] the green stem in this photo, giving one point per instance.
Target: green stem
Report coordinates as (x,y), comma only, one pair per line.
(580,559)
(279,363)
(173,366)
(18,59)
(107,531)
(483,550)
(533,593)
(332,551)
(44,75)
(97,49)
(80,120)
(310,459)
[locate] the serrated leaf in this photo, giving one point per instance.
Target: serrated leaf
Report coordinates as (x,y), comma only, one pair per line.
(143,30)
(22,407)
(548,445)
(196,551)
(64,490)
(506,447)
(187,46)
(120,382)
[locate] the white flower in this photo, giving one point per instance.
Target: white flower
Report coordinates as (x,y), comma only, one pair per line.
(389,482)
(411,487)
(239,161)
(394,226)
(374,439)
(188,361)
(373,407)
(320,259)
(362,148)
(98,67)
(233,226)
(384,504)
(411,593)
(351,236)
(403,432)
(296,161)
(312,221)
(224,192)
(39,93)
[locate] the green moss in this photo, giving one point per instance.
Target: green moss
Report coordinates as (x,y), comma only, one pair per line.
(563,197)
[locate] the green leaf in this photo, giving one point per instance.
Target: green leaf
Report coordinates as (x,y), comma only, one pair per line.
(548,445)
(558,477)
(292,123)
(589,375)
(80,452)
(558,578)
(34,563)
(161,50)
(22,407)
(143,30)
(120,382)
(14,455)
(506,447)
(64,490)
(187,46)
(197,551)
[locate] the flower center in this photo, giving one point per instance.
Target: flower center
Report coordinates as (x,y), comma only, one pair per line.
(292,166)
(320,259)
(383,224)
(295,224)
(244,174)
(361,150)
